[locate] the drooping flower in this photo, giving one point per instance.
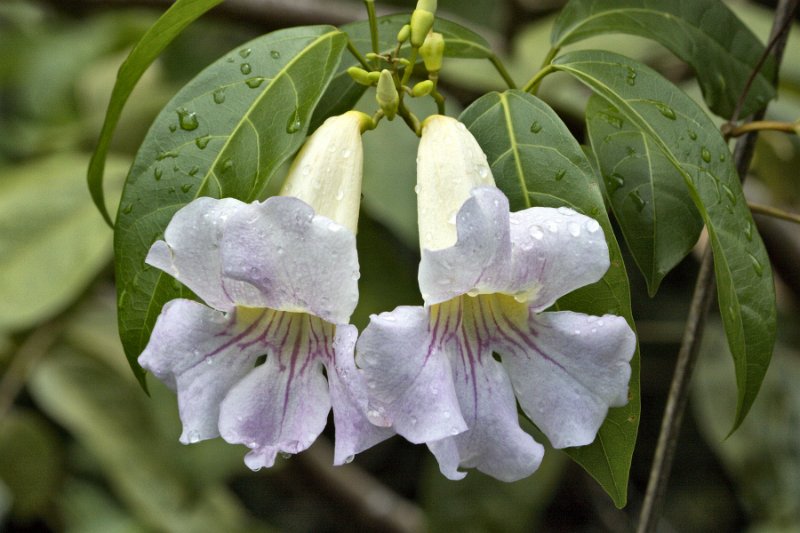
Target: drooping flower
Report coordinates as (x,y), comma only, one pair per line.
(486,277)
(279,278)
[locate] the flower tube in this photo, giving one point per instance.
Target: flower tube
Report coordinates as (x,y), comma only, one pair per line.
(450,374)
(279,281)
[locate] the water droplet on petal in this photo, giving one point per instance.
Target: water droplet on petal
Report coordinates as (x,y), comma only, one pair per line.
(285,455)
(454,431)
(551,226)
(482,170)
(592,226)
(349,459)
(574,229)
(536,232)
(339,194)
(566,211)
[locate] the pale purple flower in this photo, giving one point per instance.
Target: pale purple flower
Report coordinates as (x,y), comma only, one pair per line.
(450,374)
(279,280)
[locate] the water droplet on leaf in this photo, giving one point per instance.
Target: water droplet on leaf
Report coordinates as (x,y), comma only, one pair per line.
(219,95)
(173,127)
(293,125)
(186,187)
(705,154)
(614,182)
(202,142)
(127,209)
(560,174)
(665,110)
(187,119)
(245,68)
(693,135)
(255,82)
(157,172)
(536,127)
(757,266)
(194,170)
(638,202)
(630,79)
(244,52)
(274,54)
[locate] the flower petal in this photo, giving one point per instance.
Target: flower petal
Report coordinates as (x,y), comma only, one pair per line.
(354,432)
(190,253)
(195,351)
(298,260)
(480,259)
(283,404)
(409,381)
(554,251)
(494,444)
(568,369)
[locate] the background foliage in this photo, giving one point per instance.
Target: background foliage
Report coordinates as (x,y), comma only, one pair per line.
(82,449)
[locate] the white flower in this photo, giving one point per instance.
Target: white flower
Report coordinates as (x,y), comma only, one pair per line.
(280,281)
(486,276)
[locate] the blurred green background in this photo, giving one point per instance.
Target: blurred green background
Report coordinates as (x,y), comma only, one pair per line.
(83,449)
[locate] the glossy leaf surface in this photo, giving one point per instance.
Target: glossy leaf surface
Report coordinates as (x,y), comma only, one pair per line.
(675,125)
(223,135)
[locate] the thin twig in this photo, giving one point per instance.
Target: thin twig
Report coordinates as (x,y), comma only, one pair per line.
(773,212)
(701,301)
(730,130)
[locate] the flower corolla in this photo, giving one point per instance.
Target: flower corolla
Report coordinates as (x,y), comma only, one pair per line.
(279,280)
(450,374)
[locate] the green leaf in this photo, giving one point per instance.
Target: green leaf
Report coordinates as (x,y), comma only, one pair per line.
(705,33)
(676,126)
(170,25)
(343,92)
(645,191)
(223,135)
(536,162)
(52,241)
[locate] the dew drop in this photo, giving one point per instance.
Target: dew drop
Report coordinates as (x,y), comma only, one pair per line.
(127,209)
(566,211)
(274,54)
(339,195)
(349,459)
(209,361)
(219,95)
(630,79)
(638,202)
(665,110)
(254,82)
(413,420)
(244,52)
(454,431)
(730,194)
(293,125)
(164,155)
(560,174)
(536,127)
(574,229)
(705,154)
(416,189)
(285,455)
(173,127)
(446,414)
(157,172)
(192,437)
(536,232)
(592,226)
(552,227)
(748,230)
(187,119)
(444,281)
(721,157)
(245,68)
(227,165)
(483,171)
(346,152)
(194,170)
(614,182)
(613,120)
(186,187)
(693,135)
(757,266)
(202,142)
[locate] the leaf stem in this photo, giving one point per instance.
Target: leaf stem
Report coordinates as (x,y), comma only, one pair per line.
(533,84)
(728,130)
(501,69)
(361,59)
(373,24)
(695,324)
(773,212)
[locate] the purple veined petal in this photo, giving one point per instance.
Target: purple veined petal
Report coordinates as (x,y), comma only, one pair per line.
(190,253)
(567,370)
(480,259)
(494,444)
(299,261)
(354,432)
(409,379)
(197,351)
(283,404)
(554,251)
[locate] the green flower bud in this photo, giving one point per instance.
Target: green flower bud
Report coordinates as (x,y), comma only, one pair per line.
(427,5)
(404,34)
(421,24)
(432,51)
(386,95)
(374,76)
(360,75)
(423,88)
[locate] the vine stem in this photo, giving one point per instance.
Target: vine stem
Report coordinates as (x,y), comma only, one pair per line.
(701,302)
(774,212)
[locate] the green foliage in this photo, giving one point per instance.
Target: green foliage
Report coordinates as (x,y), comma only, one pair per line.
(223,135)
(52,240)
(688,139)
(704,33)
(172,22)
(645,191)
(536,162)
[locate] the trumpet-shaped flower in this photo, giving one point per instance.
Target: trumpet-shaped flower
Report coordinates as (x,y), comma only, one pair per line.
(450,373)
(279,278)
